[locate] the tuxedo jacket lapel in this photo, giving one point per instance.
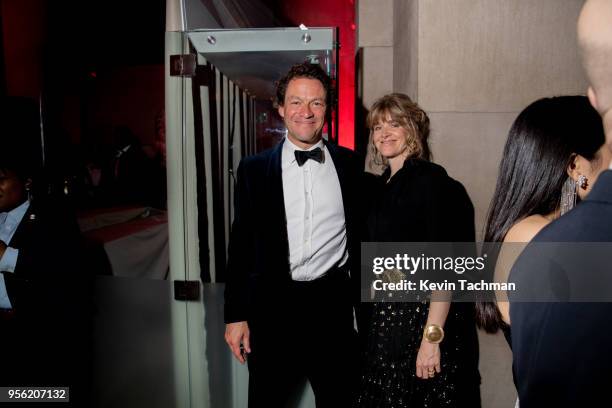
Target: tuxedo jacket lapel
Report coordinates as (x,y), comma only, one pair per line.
(343,177)
(276,199)
(24,235)
(25,229)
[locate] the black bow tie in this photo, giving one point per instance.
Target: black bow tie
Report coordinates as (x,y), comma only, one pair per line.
(302,156)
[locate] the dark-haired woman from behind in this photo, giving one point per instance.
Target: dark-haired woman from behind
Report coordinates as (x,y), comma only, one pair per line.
(551,159)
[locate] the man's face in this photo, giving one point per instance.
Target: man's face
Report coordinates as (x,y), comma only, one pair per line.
(303,111)
(12,192)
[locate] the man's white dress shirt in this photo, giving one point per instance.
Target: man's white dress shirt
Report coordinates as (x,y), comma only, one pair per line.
(316,226)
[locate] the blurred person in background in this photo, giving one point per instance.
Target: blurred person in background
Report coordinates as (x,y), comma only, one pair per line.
(45,292)
(561,352)
(551,160)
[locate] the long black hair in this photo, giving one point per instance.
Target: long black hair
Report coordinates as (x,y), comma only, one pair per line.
(541,144)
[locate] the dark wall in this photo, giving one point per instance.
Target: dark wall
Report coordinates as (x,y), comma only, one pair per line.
(24,30)
(54,45)
(96,64)
(325,13)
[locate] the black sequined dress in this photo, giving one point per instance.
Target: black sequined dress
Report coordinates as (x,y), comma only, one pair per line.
(420,203)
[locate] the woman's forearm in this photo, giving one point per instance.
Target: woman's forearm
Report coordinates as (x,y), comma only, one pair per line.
(438,310)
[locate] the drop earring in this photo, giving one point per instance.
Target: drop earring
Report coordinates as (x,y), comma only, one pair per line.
(568,195)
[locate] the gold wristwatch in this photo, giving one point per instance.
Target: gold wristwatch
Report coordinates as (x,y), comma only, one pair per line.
(433,334)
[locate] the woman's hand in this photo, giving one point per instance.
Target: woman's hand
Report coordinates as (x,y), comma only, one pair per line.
(428,360)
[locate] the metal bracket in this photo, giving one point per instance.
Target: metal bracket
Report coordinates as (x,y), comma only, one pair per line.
(183,65)
(186,290)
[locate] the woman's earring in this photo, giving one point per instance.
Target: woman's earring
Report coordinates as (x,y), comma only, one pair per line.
(582,181)
(568,195)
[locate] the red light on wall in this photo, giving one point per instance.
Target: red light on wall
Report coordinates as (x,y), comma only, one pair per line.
(325,13)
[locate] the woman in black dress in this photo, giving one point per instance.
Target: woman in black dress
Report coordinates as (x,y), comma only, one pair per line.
(404,364)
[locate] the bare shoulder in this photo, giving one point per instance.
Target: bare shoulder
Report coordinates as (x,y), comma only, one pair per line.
(526,229)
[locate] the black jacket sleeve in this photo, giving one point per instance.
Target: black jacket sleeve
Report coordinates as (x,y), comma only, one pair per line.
(239,253)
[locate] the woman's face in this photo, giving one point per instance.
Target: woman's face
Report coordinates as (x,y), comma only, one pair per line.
(592,169)
(390,138)
(12,191)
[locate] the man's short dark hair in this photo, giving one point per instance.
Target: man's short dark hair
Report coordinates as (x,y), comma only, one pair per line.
(305,70)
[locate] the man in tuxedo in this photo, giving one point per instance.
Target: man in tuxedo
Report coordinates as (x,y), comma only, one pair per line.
(288,298)
(562,350)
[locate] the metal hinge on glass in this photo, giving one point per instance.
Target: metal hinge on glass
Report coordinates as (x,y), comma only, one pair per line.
(186,290)
(183,65)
